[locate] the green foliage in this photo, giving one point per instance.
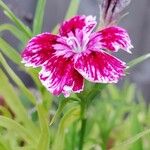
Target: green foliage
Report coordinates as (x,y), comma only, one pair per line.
(72,9)
(12,29)
(10,124)
(138,60)
(117,118)
(14,19)
(10,52)
(17,80)
(38,19)
(43,143)
(69,117)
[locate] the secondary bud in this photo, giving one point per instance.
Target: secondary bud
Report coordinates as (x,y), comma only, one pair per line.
(110,11)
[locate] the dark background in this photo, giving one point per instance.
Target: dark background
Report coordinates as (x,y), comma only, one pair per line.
(137,23)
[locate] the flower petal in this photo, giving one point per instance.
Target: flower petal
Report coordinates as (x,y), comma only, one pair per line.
(77,23)
(115,38)
(39,49)
(59,76)
(100,67)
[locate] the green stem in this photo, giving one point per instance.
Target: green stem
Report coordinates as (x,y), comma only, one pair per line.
(82,133)
(83,124)
(86,99)
(73,137)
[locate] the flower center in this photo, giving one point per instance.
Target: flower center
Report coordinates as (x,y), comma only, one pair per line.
(78,45)
(79,40)
(74,44)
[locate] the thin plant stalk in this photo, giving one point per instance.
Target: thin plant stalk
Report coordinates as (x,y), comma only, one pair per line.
(83,124)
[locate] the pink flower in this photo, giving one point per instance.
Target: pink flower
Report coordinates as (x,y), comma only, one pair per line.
(76,53)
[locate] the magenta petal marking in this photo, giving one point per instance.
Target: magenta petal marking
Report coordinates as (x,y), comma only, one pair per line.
(100,67)
(115,38)
(39,49)
(59,76)
(77,23)
(62,48)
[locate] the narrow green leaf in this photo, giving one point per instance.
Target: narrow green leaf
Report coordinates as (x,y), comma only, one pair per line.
(55,29)
(129,92)
(70,116)
(39,15)
(6,90)
(17,80)
(136,128)
(96,90)
(13,18)
(10,52)
(132,139)
(17,33)
(20,130)
(72,9)
(61,106)
(14,56)
(14,103)
(43,143)
(34,74)
(138,60)
(5,112)
(72,136)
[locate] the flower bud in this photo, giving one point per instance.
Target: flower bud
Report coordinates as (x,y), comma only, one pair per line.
(110,11)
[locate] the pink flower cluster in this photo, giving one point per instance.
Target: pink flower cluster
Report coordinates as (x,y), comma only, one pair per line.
(77,53)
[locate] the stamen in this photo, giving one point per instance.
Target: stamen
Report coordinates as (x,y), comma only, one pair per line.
(85,41)
(72,41)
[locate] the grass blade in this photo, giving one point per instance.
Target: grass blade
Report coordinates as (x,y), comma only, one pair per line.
(10,52)
(138,60)
(17,33)
(136,128)
(70,116)
(72,9)
(55,29)
(39,15)
(14,103)
(61,106)
(11,98)
(17,80)
(5,112)
(132,140)
(43,119)
(20,130)
(13,18)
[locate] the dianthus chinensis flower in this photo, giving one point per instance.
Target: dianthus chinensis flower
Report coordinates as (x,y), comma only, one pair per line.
(77,53)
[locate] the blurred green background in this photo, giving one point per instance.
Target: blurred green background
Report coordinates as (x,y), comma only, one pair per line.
(137,23)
